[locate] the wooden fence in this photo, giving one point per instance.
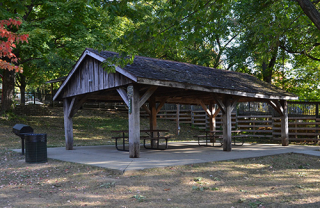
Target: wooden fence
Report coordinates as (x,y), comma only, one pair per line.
(302,128)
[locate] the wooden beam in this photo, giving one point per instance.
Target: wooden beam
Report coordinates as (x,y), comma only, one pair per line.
(78,103)
(212,120)
(68,124)
(276,105)
(71,106)
(178,119)
(209,113)
(284,123)
(220,104)
(233,104)
(123,95)
(145,107)
(147,95)
(217,111)
(134,121)
(161,104)
(174,84)
(153,118)
(153,113)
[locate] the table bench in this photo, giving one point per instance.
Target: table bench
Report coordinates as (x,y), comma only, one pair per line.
(125,139)
(210,138)
(213,135)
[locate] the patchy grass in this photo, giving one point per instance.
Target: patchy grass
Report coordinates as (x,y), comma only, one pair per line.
(91,127)
(288,180)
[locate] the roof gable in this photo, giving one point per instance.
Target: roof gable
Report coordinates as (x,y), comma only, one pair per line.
(159,72)
(89,76)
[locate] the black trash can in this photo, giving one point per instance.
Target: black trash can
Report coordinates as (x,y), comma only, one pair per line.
(36,148)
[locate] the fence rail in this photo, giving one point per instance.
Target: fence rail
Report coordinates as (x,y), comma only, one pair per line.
(304,124)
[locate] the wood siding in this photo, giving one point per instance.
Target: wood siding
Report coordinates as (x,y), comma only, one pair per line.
(91,77)
(301,128)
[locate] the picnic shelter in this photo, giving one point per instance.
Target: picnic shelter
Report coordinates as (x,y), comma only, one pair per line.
(156,82)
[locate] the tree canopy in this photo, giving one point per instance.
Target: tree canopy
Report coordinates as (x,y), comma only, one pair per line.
(277,41)
(274,40)
(58,33)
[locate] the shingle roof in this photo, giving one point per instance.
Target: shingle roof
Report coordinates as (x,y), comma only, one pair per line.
(157,69)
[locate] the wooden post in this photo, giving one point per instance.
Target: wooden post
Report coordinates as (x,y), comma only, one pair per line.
(212,121)
(212,117)
(227,145)
(177,119)
(284,124)
(134,121)
(68,124)
(153,117)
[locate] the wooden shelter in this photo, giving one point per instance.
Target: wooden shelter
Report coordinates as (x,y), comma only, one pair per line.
(158,82)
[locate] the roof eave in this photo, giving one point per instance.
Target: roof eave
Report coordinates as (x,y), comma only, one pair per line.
(165,83)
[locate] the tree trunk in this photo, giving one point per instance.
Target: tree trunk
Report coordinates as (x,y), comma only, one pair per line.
(311,11)
(22,87)
(267,70)
(7,90)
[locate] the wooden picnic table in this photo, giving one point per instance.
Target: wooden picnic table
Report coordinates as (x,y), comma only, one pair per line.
(150,136)
(217,134)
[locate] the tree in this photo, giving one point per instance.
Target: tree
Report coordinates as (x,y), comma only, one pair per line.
(8,42)
(311,11)
(197,32)
(8,59)
(59,32)
(278,43)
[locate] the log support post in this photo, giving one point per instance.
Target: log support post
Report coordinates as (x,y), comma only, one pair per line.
(68,124)
(132,99)
(212,112)
(282,108)
(226,106)
(153,117)
(227,146)
(178,119)
(134,121)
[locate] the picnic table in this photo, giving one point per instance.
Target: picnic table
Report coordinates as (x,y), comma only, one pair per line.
(150,134)
(211,136)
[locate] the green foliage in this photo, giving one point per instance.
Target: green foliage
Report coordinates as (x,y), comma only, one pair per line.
(215,189)
(187,31)
(59,32)
(273,40)
(121,61)
(108,185)
(200,188)
(139,198)
(255,204)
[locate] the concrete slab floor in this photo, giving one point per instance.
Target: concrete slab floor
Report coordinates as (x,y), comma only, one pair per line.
(178,153)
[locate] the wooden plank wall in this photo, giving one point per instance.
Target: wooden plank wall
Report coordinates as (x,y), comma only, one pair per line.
(91,77)
(306,128)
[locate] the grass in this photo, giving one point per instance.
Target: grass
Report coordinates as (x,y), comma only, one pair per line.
(288,180)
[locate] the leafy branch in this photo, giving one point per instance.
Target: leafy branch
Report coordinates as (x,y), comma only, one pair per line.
(111,63)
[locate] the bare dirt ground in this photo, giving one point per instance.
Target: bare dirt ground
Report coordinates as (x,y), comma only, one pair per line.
(289,180)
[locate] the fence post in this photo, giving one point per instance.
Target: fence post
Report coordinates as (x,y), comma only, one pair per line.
(177,119)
